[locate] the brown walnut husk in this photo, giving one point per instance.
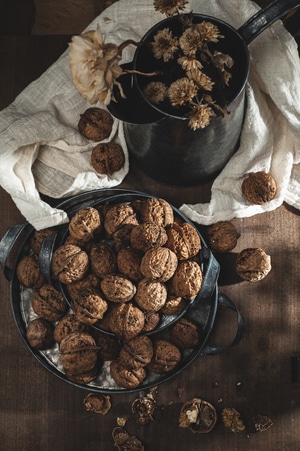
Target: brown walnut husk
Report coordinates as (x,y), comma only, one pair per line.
(198,415)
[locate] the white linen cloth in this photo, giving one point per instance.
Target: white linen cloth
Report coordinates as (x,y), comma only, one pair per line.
(43,152)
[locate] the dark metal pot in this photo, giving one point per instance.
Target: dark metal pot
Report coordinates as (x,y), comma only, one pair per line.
(161,143)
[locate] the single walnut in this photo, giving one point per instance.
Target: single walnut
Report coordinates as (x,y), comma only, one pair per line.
(67,325)
(39,334)
(198,415)
(49,303)
(69,263)
(84,377)
(84,224)
(148,235)
(126,320)
(109,345)
(78,353)
(121,236)
(128,262)
(126,377)
(97,403)
(28,272)
(89,305)
(107,158)
(152,320)
(136,352)
(259,188)
(38,237)
(117,288)
(187,280)
(232,420)
(102,259)
(117,216)
(222,236)
(184,240)
(157,210)
(185,334)
(159,264)
(95,124)
(91,280)
(166,357)
(174,305)
(253,264)
(151,295)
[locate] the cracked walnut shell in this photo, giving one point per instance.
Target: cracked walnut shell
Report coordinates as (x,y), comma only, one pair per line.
(253,264)
(97,403)
(232,420)
(259,188)
(198,415)
(222,236)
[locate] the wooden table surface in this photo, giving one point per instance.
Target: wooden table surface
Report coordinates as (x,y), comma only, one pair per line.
(38,411)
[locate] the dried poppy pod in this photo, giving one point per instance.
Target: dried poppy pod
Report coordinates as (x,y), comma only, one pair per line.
(159,264)
(166,357)
(102,259)
(222,236)
(69,263)
(117,288)
(183,240)
(88,305)
(157,210)
(97,403)
(49,303)
(151,295)
(198,415)
(148,235)
(85,223)
(259,188)
(253,264)
(107,158)
(126,320)
(187,280)
(117,216)
(126,377)
(78,353)
(28,272)
(95,124)
(39,334)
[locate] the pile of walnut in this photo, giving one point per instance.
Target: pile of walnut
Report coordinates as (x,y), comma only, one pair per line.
(122,266)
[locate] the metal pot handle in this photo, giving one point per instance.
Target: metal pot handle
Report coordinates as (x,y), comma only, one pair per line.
(225,301)
(7,243)
(265,17)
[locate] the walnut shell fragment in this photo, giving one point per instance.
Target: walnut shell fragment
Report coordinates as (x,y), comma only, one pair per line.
(253,264)
(232,420)
(259,188)
(198,415)
(222,236)
(97,403)
(95,124)
(262,423)
(145,407)
(125,442)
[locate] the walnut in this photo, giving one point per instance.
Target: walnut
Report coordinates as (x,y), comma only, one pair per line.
(69,263)
(107,158)
(222,236)
(117,288)
(152,319)
(159,264)
(91,280)
(123,441)
(89,305)
(28,272)
(38,237)
(187,280)
(157,210)
(102,259)
(262,423)
(97,403)
(174,305)
(232,420)
(148,235)
(259,188)
(126,320)
(136,352)
(253,264)
(166,356)
(184,240)
(84,224)
(185,334)
(126,377)
(145,407)
(95,124)
(109,345)
(39,334)
(49,303)
(198,415)
(67,325)
(151,295)
(117,216)
(128,262)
